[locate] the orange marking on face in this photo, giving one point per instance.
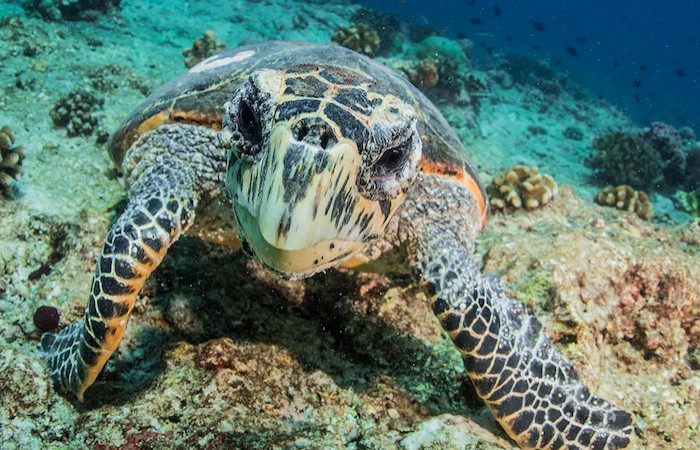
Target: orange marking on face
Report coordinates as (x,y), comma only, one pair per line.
(460,175)
(151,123)
(213,121)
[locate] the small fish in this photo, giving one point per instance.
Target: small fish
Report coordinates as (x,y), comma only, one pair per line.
(509,37)
(643,68)
(461,35)
(615,64)
(637,84)
(636,98)
(582,40)
(475,21)
(496,10)
(471,2)
(539,26)
(572,51)
(680,73)
(536,47)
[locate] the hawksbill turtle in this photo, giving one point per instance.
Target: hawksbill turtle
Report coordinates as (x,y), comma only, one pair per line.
(311,157)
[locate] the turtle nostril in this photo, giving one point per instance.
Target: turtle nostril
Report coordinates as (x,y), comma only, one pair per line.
(300,131)
(325,139)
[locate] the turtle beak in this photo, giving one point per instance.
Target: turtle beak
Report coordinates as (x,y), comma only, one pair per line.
(298,207)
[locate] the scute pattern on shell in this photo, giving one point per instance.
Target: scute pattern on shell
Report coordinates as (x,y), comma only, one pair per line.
(199,96)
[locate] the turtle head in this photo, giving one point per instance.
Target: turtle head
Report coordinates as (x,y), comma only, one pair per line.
(318,163)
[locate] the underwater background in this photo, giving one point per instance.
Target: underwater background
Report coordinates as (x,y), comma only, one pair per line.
(596,104)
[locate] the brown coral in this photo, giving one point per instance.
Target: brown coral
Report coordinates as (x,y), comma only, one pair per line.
(10,160)
(521,187)
(422,74)
(627,199)
(78,112)
(204,47)
(358,37)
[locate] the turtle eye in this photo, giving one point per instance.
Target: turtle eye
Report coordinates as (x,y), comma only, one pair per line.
(391,163)
(248,125)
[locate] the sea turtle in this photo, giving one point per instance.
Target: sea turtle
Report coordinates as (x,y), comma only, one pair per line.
(311,157)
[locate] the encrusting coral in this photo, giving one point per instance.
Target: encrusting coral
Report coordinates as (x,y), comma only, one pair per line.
(10,160)
(521,187)
(624,197)
(204,47)
(625,158)
(76,112)
(358,37)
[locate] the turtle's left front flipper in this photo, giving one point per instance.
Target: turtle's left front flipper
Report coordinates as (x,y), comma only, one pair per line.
(165,171)
(529,386)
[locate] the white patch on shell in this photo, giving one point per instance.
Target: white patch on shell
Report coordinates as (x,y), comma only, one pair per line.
(216,61)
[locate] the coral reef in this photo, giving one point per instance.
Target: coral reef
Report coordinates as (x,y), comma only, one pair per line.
(692,169)
(77,112)
(688,201)
(385,25)
(521,187)
(625,158)
(70,9)
(625,198)
(359,37)
(11,157)
(451,60)
(573,133)
(341,360)
(423,74)
(622,298)
(204,47)
(669,143)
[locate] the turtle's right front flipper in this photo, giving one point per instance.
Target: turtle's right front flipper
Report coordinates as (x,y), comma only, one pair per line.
(134,247)
(165,187)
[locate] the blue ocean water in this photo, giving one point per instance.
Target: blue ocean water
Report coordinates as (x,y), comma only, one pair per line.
(641,56)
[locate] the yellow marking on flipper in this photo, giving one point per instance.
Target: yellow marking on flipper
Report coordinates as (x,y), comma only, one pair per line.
(155,257)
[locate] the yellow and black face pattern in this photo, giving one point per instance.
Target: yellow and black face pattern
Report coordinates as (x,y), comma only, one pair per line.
(319,161)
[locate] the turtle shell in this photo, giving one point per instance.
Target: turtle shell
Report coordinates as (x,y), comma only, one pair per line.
(198,97)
